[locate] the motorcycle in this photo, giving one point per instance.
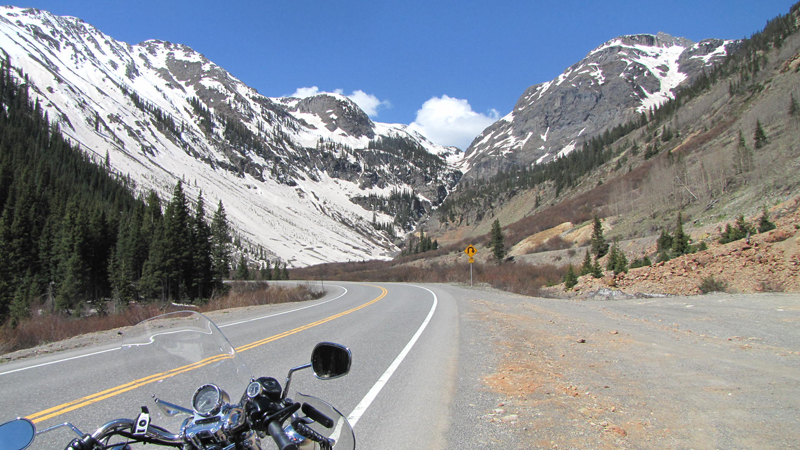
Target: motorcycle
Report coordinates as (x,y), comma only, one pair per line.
(185,355)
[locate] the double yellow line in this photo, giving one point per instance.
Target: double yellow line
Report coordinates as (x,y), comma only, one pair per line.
(108,393)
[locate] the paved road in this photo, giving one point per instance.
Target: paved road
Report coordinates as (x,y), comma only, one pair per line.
(481,369)
(402,338)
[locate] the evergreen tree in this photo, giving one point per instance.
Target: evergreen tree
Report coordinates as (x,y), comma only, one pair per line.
(203,281)
(764,224)
(759,136)
(744,155)
(641,262)
(617,262)
(178,240)
(153,283)
(599,244)
(72,276)
(497,241)
(597,271)
(586,267)
(266,272)
(285,274)
(121,274)
(680,241)
(570,279)
(220,246)
(741,231)
(611,260)
(664,242)
(794,107)
(622,263)
(19,308)
(242,272)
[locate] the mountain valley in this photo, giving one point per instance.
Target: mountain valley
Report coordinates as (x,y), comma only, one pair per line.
(644,127)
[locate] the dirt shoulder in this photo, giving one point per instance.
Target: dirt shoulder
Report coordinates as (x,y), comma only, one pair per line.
(717,371)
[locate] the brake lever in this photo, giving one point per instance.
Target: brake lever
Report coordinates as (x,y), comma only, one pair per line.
(281,415)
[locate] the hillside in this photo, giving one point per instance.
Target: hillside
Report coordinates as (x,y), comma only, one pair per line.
(697,154)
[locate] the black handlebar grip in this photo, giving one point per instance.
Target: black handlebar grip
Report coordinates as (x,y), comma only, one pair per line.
(86,442)
(281,439)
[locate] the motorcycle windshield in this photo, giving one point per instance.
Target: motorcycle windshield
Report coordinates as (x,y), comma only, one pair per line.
(170,356)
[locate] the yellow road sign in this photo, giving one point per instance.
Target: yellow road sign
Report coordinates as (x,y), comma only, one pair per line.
(471,260)
(470,251)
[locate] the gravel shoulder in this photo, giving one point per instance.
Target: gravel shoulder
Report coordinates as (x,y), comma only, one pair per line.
(716,371)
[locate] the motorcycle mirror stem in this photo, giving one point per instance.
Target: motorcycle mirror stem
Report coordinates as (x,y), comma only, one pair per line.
(289,379)
(18,434)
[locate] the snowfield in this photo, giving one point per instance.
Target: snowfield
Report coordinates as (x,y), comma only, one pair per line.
(88,83)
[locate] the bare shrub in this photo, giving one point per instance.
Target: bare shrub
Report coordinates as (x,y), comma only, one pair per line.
(710,284)
(552,244)
(40,329)
(261,293)
(772,286)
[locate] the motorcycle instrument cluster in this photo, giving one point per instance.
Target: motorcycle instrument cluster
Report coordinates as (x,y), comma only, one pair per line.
(208,400)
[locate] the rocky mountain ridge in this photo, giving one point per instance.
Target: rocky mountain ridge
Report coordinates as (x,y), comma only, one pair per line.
(614,83)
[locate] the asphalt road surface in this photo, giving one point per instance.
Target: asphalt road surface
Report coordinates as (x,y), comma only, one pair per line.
(447,367)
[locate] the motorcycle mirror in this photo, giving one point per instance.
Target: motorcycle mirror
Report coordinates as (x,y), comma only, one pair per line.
(330,360)
(17,434)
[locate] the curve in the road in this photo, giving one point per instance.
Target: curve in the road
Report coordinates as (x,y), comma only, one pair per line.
(108,393)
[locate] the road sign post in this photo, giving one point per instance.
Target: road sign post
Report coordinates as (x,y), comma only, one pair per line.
(470,251)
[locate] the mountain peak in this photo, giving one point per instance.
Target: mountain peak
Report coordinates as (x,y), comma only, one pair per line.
(304,181)
(335,111)
(612,84)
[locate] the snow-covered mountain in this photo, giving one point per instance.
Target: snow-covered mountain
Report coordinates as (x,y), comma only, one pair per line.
(611,85)
(292,173)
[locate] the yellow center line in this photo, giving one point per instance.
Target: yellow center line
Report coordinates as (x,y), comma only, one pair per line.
(108,393)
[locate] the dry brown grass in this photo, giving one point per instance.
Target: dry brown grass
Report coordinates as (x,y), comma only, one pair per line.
(513,277)
(254,293)
(43,328)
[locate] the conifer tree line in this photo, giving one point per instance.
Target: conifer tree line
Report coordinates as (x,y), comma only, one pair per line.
(424,244)
(71,233)
(404,206)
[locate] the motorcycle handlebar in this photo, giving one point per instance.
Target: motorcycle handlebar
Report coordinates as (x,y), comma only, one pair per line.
(279,436)
(123,427)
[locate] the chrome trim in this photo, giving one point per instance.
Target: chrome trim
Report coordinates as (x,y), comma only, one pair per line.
(172,409)
(289,379)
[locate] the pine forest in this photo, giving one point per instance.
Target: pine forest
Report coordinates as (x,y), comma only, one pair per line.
(72,235)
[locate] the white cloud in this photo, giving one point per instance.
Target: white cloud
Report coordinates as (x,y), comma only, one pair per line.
(369,103)
(304,92)
(451,121)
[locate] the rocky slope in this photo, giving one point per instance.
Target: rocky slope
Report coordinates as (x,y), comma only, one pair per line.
(767,262)
(613,84)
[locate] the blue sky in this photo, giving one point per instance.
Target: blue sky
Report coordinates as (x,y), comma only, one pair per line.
(450,66)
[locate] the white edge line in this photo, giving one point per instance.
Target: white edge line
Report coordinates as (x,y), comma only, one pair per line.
(361,408)
(59,361)
(220,326)
(286,312)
